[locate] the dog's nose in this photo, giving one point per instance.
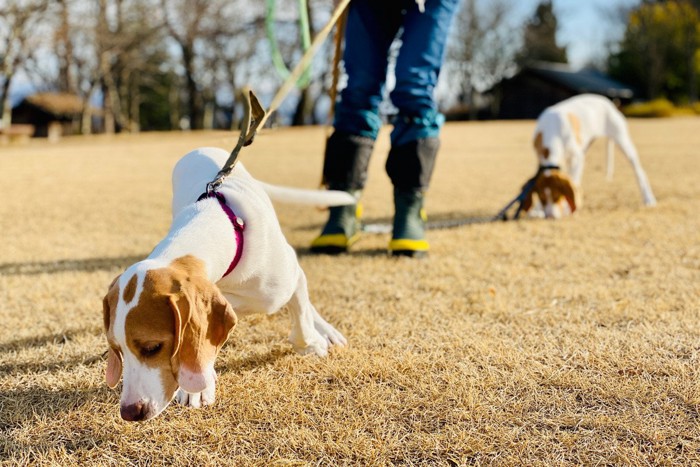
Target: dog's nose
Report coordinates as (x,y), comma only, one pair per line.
(135,412)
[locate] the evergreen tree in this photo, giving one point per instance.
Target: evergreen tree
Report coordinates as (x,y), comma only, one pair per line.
(539,41)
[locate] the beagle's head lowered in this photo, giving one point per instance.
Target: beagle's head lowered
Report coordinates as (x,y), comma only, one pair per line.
(556,194)
(165,324)
(553,188)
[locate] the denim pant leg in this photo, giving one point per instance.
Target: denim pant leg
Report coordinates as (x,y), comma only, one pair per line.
(420,58)
(372,26)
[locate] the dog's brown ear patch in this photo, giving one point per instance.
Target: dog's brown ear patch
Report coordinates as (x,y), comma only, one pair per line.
(559,186)
(114,358)
(203,320)
(564,186)
(575,124)
(541,151)
(222,319)
(527,202)
(114,368)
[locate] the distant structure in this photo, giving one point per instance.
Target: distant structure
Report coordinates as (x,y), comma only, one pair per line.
(51,114)
(538,86)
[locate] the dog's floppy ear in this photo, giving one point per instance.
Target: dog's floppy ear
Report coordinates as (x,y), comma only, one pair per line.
(528,200)
(114,368)
(222,319)
(563,185)
(203,320)
(114,358)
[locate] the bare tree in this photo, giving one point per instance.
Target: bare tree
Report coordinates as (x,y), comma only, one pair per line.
(482,48)
(18,41)
(188,22)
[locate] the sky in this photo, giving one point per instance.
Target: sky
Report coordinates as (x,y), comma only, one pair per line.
(583,25)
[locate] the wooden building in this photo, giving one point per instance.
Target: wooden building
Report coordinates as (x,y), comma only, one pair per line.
(528,93)
(51,114)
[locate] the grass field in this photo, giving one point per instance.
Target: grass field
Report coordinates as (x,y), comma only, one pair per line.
(574,342)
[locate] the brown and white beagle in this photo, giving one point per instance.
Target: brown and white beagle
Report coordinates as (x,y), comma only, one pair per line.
(563,134)
(166,317)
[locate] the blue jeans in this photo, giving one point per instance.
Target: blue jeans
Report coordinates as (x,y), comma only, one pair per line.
(371,28)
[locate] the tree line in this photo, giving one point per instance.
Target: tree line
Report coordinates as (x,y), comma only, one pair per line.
(168,64)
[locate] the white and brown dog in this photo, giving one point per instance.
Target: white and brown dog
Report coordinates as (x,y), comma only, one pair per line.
(563,134)
(166,317)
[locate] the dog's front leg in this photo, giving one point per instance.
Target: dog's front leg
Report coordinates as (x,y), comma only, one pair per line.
(576,162)
(310,333)
(196,400)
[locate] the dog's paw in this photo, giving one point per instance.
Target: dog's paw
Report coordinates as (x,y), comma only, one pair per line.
(331,334)
(317,347)
(196,400)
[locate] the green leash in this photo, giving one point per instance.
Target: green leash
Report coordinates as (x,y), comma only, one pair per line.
(305,33)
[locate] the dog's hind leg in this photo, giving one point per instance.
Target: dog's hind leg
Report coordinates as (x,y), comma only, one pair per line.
(310,333)
(630,152)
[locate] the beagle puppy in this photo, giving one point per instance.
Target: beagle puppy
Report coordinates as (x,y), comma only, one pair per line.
(167,317)
(563,134)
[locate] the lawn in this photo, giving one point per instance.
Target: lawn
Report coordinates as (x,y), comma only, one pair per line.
(515,343)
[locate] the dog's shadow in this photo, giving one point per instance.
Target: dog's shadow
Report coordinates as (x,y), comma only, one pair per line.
(68,265)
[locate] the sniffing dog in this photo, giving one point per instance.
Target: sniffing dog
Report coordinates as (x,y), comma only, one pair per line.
(563,134)
(166,317)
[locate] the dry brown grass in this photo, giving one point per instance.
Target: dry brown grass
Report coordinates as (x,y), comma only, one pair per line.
(530,343)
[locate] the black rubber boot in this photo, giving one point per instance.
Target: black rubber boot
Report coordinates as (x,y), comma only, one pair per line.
(408,236)
(341,230)
(410,167)
(344,168)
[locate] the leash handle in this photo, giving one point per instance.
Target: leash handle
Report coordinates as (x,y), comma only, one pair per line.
(252,119)
(305,60)
(256,116)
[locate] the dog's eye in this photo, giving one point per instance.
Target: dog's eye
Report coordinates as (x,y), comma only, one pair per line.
(151,349)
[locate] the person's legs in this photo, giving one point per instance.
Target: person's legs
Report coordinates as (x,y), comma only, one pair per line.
(414,139)
(371,28)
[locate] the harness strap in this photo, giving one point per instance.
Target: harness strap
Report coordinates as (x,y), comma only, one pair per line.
(238,227)
(524,193)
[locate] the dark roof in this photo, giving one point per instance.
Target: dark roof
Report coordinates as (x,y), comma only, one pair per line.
(58,104)
(583,81)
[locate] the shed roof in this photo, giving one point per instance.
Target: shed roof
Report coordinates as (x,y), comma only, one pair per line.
(582,81)
(59,104)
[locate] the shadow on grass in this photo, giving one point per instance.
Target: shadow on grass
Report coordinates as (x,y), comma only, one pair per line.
(68,265)
(52,366)
(438,221)
(55,363)
(62,337)
(20,407)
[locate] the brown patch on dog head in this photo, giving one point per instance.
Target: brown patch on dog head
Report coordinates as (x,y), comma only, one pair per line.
(114,356)
(129,290)
(557,187)
(541,151)
(575,124)
(181,320)
(203,321)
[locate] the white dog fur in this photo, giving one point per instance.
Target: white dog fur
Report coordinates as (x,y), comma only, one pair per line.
(563,134)
(166,317)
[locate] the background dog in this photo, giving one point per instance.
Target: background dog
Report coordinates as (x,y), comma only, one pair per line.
(562,135)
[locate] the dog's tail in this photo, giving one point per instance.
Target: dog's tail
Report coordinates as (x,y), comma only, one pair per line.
(306,196)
